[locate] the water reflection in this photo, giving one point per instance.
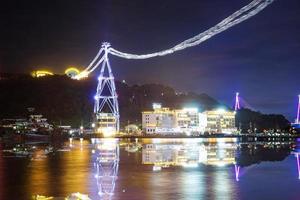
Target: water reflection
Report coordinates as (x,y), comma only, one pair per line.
(189,153)
(296,152)
(107,165)
(237,172)
(1,172)
(147,168)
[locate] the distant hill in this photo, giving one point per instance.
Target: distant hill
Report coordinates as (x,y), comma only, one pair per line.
(67,101)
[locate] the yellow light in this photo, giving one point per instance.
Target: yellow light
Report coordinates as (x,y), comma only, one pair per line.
(81,75)
(107,131)
(72,69)
(40,73)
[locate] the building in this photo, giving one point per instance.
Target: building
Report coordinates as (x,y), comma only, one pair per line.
(159,120)
(220,121)
(34,124)
(188,121)
(105,124)
(166,121)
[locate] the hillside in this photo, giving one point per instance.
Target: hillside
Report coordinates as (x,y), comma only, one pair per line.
(68,101)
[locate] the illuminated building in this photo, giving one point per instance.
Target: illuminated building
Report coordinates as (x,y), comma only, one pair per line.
(41,73)
(187,120)
(72,72)
(105,124)
(158,120)
(220,121)
(165,121)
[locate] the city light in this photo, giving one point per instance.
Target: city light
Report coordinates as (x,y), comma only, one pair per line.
(156,106)
(190,165)
(41,73)
(156,168)
(107,131)
(221,110)
(72,69)
(190,109)
(72,72)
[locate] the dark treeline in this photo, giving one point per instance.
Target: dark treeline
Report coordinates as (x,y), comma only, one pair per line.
(66,101)
(248,120)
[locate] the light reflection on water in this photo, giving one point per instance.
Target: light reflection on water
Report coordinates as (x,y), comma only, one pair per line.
(124,169)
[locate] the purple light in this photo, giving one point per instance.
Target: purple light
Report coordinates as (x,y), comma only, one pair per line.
(298,165)
(298,111)
(237,172)
(237,102)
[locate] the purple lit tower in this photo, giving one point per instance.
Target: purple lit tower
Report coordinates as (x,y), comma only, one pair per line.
(298,111)
(296,125)
(237,102)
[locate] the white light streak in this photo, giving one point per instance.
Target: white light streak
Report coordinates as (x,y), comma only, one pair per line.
(237,17)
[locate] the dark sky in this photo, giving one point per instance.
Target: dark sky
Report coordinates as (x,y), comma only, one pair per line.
(259,58)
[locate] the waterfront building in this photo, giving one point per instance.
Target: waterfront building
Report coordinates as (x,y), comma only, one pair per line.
(34,123)
(220,121)
(166,121)
(105,124)
(160,120)
(188,121)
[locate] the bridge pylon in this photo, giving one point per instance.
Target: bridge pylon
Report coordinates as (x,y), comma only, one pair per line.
(237,102)
(106,106)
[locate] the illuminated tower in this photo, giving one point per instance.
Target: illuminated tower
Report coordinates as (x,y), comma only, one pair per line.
(106,100)
(298,111)
(237,102)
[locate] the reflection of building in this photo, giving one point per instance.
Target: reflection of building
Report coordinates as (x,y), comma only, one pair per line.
(220,121)
(107,164)
(188,120)
(189,154)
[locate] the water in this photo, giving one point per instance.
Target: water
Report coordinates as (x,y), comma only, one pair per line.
(152,169)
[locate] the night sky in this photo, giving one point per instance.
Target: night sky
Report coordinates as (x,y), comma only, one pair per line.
(259,58)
